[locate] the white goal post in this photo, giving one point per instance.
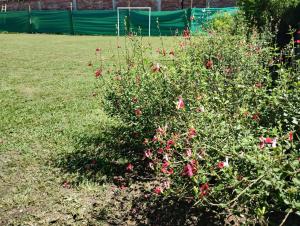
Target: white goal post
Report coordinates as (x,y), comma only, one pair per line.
(129,8)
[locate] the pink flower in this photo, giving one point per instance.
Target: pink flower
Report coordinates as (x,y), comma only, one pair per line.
(220,165)
(188,152)
(160,131)
(158,190)
(138,112)
(155,139)
(297,41)
(261,143)
(165,164)
(209,64)
(274,143)
(190,169)
(192,133)
(98,73)
(291,137)
(129,167)
(160,151)
(151,165)
(147,154)
(180,103)
(166,184)
(268,140)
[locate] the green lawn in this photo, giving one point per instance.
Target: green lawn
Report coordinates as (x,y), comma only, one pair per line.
(48,106)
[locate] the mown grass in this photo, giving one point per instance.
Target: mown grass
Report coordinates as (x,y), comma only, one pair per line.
(49,114)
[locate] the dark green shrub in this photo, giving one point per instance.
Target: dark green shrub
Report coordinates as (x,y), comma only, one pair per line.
(212,124)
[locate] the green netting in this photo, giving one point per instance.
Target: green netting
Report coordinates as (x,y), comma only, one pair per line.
(104,22)
(95,22)
(14,21)
(163,22)
(203,16)
(54,21)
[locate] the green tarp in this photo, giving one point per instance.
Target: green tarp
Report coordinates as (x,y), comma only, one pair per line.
(57,22)
(104,22)
(14,22)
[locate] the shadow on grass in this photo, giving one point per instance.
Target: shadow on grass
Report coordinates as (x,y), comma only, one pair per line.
(101,157)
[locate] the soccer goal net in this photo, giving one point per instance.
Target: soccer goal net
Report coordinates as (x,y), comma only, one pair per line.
(125,16)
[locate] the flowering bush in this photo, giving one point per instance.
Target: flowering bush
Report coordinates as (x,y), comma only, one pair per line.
(213,124)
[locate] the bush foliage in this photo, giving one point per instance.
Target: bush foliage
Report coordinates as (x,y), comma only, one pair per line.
(217,121)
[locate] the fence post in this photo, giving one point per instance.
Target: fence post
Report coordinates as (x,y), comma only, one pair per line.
(71,19)
(29,20)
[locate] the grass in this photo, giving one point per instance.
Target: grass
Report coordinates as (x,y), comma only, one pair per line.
(48,109)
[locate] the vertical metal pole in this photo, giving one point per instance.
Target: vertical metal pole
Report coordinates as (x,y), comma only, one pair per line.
(114,4)
(158,5)
(71,6)
(39,5)
(118,22)
(149,21)
(74,4)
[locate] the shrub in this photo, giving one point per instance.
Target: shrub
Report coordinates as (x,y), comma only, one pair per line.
(213,125)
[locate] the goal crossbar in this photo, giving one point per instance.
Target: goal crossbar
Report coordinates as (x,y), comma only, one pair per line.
(129,8)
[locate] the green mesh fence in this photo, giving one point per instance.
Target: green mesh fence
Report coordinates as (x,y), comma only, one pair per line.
(57,22)
(15,22)
(104,22)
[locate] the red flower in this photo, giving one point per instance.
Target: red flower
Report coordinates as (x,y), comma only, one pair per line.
(220,165)
(98,50)
(134,100)
(256,117)
(297,41)
(129,167)
(138,112)
(188,170)
(186,33)
(158,190)
(180,103)
(204,189)
(209,64)
(172,52)
(90,64)
(170,143)
(291,136)
(268,140)
(156,67)
(146,141)
(192,133)
(155,139)
(258,85)
(98,73)
(160,151)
